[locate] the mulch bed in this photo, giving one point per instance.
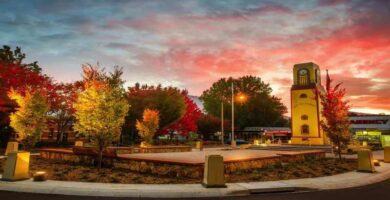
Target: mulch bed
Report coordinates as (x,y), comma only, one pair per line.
(58,170)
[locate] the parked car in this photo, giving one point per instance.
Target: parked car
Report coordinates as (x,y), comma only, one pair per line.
(238,142)
(353,148)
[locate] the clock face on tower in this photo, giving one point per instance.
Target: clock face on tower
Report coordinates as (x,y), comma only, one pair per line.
(302,72)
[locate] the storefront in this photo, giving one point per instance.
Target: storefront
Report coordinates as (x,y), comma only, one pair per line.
(375,129)
(274,134)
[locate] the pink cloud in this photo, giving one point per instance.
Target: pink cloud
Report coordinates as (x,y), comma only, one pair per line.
(266,42)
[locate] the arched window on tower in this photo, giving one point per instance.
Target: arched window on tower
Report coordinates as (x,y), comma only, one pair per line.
(302,96)
(303,77)
(304,129)
(304,117)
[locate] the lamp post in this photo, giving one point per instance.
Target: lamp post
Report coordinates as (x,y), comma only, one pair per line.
(232,141)
(222,124)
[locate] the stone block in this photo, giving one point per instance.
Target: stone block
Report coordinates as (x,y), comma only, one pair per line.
(11,146)
(386,154)
(365,161)
(17,166)
(233,144)
(40,176)
(199,145)
(364,144)
(377,163)
(214,175)
(79,143)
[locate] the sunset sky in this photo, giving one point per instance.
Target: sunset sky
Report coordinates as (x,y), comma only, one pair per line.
(191,44)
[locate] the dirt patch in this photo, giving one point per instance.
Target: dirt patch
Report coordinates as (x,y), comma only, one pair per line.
(58,170)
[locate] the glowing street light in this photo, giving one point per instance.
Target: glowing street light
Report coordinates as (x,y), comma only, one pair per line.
(241,98)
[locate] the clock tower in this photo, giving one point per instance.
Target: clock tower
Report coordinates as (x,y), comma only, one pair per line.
(306,105)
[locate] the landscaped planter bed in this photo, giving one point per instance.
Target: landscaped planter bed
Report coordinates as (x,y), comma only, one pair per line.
(167,164)
(61,170)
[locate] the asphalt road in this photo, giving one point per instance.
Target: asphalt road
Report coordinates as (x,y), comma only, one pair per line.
(378,191)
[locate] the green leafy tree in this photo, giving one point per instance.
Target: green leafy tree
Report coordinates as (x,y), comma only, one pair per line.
(16,57)
(208,125)
(148,127)
(335,111)
(29,120)
(260,108)
(100,109)
(168,101)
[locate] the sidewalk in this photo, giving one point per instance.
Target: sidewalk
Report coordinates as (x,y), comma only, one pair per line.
(379,155)
(346,180)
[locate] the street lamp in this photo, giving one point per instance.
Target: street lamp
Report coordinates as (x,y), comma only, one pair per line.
(222,124)
(241,97)
(232,141)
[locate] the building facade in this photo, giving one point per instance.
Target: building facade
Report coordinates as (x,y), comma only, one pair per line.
(51,134)
(375,129)
(306,106)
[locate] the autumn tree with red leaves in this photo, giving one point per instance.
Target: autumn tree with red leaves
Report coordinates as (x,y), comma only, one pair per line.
(188,123)
(335,111)
(61,106)
(19,76)
(208,125)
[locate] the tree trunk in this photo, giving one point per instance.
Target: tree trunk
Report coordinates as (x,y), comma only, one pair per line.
(100,158)
(59,133)
(171,135)
(339,147)
(60,140)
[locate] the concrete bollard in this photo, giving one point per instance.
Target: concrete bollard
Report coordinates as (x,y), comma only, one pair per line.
(199,145)
(364,144)
(17,166)
(11,146)
(214,175)
(365,161)
(79,143)
(386,152)
(233,143)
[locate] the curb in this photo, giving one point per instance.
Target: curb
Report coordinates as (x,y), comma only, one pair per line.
(340,181)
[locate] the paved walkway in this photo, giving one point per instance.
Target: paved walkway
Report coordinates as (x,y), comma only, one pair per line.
(346,180)
(379,155)
(198,157)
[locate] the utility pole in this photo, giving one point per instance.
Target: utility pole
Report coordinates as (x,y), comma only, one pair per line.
(233,142)
(222,124)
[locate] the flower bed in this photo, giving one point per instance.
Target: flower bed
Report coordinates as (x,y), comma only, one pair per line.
(66,171)
(175,167)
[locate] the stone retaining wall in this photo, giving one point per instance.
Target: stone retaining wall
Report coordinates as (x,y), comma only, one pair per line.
(59,155)
(301,156)
(185,170)
(165,149)
(162,169)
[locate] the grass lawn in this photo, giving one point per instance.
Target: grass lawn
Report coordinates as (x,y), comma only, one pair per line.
(58,170)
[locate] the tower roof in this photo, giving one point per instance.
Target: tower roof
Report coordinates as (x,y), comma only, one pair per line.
(308,64)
